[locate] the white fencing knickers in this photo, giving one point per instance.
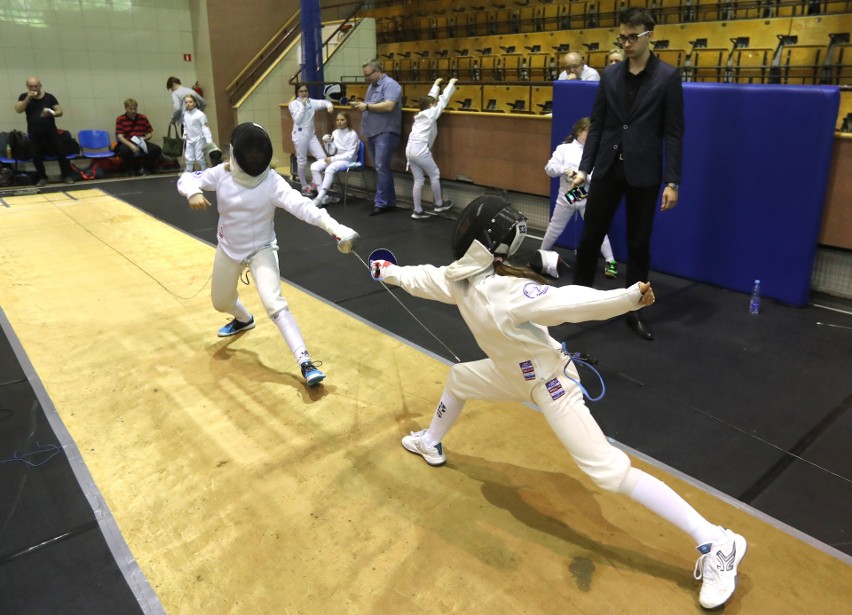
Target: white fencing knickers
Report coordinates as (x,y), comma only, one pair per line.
(305,140)
(420,161)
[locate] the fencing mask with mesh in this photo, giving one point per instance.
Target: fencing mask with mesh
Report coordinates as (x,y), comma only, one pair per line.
(493,222)
(251,148)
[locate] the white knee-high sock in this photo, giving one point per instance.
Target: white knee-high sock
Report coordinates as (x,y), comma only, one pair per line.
(435,182)
(286,323)
(661,499)
(447,412)
(302,171)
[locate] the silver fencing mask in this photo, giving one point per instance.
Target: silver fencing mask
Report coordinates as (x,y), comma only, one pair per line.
(493,222)
(251,148)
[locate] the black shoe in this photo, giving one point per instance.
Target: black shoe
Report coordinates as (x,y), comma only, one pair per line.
(635,322)
(382,210)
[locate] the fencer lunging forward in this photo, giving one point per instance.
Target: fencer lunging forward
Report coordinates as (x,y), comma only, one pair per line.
(302,110)
(418,151)
(248,192)
(564,164)
(508,310)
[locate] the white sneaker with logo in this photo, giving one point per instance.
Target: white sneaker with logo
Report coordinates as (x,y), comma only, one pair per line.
(717,569)
(434,455)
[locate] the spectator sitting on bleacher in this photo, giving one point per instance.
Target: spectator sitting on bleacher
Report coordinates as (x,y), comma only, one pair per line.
(615,56)
(576,68)
(42,108)
(133,131)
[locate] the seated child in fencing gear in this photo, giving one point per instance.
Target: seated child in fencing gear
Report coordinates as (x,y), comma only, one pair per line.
(342,147)
(509,309)
(248,192)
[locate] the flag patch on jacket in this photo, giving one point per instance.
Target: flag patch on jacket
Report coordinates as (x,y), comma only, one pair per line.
(527,370)
(554,387)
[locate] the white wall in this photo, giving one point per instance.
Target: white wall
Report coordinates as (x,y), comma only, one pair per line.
(92,54)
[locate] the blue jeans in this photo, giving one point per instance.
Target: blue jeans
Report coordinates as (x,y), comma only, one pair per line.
(381,151)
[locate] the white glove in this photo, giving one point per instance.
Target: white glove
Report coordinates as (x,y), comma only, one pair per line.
(347,239)
(327,138)
(330,105)
(381,269)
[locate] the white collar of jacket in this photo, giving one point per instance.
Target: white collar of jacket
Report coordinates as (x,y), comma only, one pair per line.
(243,178)
(476,260)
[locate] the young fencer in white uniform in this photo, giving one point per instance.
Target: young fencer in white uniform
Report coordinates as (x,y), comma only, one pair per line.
(508,310)
(248,192)
(564,164)
(195,134)
(418,151)
(302,110)
(342,147)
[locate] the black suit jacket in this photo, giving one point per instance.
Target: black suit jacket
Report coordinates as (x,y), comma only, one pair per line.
(655,119)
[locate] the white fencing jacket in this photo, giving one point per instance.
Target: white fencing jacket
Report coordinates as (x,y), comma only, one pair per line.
(246,214)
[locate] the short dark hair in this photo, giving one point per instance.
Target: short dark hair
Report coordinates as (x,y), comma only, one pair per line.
(301,85)
(426,102)
(171,81)
(636,17)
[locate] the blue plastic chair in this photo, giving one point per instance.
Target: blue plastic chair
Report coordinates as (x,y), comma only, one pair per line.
(356,166)
(95,144)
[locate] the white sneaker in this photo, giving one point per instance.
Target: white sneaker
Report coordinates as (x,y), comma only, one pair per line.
(317,201)
(717,566)
(419,215)
(434,455)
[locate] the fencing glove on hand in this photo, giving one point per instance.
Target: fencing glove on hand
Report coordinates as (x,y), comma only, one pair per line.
(346,238)
(382,269)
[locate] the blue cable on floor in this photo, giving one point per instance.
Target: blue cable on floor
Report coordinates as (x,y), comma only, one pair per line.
(575,357)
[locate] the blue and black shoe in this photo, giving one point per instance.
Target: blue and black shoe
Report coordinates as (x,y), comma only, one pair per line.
(311,374)
(235,326)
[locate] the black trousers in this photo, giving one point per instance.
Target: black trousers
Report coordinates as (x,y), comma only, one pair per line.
(132,162)
(42,144)
(604,198)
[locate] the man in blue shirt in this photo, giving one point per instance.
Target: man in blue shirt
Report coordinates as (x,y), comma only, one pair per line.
(381,125)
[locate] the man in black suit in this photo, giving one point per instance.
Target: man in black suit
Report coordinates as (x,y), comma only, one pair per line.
(638,110)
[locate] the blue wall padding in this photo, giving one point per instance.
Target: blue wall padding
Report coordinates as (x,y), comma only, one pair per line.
(755,170)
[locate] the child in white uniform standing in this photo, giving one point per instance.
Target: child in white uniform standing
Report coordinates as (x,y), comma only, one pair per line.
(564,164)
(342,147)
(508,310)
(248,193)
(418,151)
(196,134)
(304,133)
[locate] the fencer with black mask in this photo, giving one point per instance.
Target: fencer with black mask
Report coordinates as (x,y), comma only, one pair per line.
(508,309)
(248,192)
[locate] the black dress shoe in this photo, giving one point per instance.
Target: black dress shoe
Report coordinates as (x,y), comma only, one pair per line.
(381,210)
(635,322)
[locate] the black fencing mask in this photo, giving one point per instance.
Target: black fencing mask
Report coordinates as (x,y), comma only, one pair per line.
(493,222)
(251,148)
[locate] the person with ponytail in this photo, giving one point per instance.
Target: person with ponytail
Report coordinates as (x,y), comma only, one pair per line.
(508,310)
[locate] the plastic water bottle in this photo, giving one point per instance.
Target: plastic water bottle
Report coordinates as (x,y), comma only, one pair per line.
(754,302)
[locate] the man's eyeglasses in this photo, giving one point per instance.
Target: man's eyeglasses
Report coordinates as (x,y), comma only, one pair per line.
(572,66)
(368,74)
(622,40)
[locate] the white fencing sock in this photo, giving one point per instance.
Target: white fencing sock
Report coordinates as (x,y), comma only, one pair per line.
(661,499)
(286,323)
(445,415)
